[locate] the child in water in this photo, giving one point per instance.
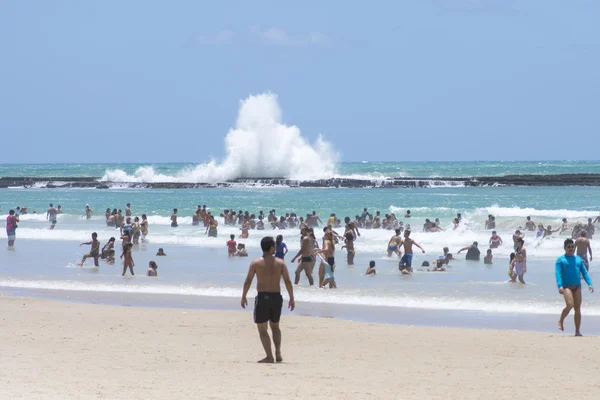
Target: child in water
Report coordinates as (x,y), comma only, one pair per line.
(231,244)
(371,268)
(161,252)
(488,257)
(241,247)
(128,259)
(511,265)
(152,267)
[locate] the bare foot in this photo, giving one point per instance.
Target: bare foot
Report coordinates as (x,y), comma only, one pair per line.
(578,334)
(278,357)
(560,326)
(266,360)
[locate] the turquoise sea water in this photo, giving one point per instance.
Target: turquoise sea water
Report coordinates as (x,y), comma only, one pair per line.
(197,266)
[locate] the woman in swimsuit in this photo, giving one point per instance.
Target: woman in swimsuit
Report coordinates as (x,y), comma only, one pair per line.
(211,230)
(520,261)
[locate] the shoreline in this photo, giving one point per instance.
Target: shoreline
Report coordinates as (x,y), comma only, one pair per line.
(393,316)
(142,353)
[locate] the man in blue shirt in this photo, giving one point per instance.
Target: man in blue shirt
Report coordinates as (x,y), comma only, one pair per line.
(569,269)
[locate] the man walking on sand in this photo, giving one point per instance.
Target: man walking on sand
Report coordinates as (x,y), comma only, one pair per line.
(569,269)
(268,301)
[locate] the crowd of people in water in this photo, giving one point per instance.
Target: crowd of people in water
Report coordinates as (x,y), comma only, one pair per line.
(133,229)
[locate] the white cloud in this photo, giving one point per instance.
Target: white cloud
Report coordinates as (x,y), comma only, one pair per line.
(222,37)
(270,36)
(280,37)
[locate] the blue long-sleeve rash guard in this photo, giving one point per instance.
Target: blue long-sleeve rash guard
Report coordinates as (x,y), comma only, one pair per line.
(569,270)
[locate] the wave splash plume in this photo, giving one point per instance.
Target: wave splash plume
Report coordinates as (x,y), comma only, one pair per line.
(260,145)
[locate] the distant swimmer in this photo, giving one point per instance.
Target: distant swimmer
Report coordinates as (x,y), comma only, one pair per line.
(569,269)
(583,247)
(268,302)
(371,268)
(174,219)
(88,212)
(128,210)
(473,253)
(529,225)
(488,257)
(152,267)
(161,252)
(94,250)
(394,244)
(407,215)
(405,264)
(495,240)
(11,227)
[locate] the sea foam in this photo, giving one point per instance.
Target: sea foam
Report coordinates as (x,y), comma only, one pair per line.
(260,145)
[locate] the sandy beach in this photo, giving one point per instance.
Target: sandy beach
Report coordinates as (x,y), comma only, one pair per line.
(64,350)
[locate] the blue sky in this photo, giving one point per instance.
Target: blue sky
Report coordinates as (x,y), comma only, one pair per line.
(156,81)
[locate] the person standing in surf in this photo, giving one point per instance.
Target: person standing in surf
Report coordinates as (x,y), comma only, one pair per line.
(568,270)
(144,227)
(306,262)
(269,271)
(583,246)
(280,247)
(174,219)
(11,227)
(94,250)
(406,260)
(51,215)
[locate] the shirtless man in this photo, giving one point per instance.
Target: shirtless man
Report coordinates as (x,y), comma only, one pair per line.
(268,301)
(51,214)
(582,246)
(406,259)
(530,225)
(94,250)
(306,262)
(174,219)
(88,212)
(394,244)
(128,210)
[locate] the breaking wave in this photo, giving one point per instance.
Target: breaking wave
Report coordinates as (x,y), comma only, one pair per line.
(260,145)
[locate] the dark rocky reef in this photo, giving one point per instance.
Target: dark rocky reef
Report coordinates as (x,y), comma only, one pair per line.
(507,180)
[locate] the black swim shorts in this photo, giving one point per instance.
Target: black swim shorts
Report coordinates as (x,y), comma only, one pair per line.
(331,261)
(267,307)
(307,259)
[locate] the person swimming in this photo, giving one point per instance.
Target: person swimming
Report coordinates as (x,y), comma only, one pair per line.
(161,252)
